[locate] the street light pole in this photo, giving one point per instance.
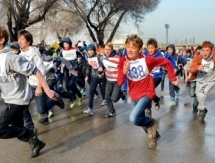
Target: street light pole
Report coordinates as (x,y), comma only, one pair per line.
(167,28)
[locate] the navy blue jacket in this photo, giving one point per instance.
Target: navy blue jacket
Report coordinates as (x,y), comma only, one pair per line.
(158,54)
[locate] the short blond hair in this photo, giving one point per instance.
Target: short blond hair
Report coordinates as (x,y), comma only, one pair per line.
(109,44)
(137,41)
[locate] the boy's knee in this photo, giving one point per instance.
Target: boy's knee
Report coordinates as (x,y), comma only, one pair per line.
(200,95)
(133,119)
(192,94)
(115,100)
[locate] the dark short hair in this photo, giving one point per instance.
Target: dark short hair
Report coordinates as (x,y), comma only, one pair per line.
(199,48)
(4,34)
(188,51)
(28,36)
(153,42)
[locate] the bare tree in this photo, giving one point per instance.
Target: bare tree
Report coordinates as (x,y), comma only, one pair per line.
(100,15)
(61,21)
(24,13)
(3,16)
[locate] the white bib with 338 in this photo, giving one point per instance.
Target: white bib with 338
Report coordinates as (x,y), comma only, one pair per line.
(138,70)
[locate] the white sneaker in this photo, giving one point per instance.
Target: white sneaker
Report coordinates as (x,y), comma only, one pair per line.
(81,90)
(51,114)
(89,111)
(96,97)
(104,102)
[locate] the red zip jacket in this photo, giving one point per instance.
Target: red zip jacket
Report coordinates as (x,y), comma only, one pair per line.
(145,87)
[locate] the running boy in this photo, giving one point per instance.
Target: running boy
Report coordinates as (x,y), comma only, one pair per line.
(17,93)
(157,72)
(203,67)
(137,68)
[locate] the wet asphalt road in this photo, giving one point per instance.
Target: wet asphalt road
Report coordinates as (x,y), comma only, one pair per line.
(74,137)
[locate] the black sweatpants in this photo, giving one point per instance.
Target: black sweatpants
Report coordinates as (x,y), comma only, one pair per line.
(12,124)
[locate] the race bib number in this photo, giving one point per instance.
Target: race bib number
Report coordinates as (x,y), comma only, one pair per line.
(93,62)
(69,55)
(110,66)
(208,65)
(138,70)
(156,70)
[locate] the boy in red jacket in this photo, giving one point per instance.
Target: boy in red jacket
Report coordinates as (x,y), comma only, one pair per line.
(137,69)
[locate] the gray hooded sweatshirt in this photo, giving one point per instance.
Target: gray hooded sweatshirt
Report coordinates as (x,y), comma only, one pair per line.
(14,85)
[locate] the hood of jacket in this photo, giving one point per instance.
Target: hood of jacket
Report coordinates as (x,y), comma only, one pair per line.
(172,46)
(67,40)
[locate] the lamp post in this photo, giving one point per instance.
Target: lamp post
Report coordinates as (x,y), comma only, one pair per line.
(167,28)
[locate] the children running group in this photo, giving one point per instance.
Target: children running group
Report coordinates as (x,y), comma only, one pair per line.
(26,73)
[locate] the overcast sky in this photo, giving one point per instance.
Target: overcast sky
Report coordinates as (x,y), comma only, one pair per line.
(187,19)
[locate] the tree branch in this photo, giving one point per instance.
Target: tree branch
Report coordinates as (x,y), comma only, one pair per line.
(42,16)
(116,26)
(89,14)
(91,33)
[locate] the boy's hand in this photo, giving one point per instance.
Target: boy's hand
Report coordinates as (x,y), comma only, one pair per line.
(100,69)
(52,94)
(201,67)
(175,82)
(126,67)
(75,73)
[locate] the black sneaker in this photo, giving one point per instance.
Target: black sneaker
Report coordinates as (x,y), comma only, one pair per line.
(110,115)
(202,114)
(195,109)
(157,106)
(44,121)
(35,145)
(60,102)
(40,145)
(33,139)
(123,95)
(157,103)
